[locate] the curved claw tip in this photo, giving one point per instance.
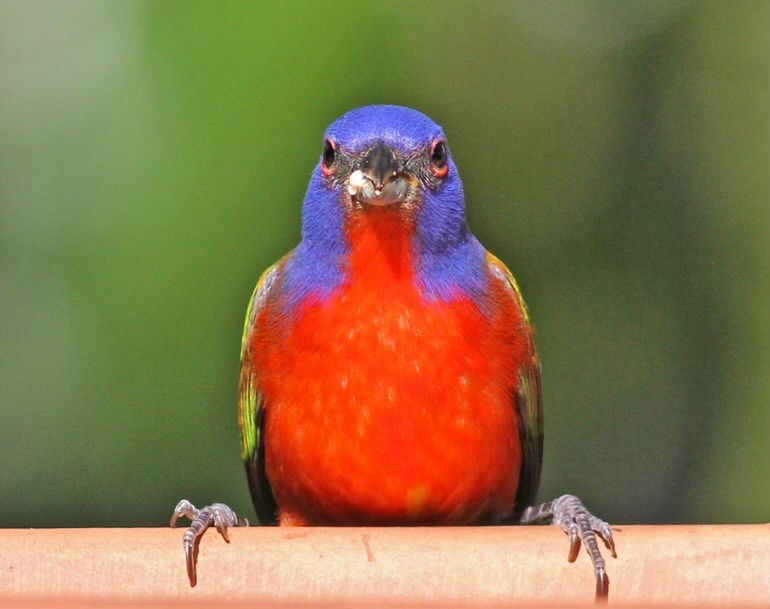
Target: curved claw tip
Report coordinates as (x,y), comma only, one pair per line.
(602,587)
(190,560)
(606,536)
(574,548)
(225,535)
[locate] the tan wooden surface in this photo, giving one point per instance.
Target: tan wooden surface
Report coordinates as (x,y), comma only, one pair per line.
(676,566)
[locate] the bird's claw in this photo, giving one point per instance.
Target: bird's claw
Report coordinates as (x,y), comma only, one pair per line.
(218,514)
(582,527)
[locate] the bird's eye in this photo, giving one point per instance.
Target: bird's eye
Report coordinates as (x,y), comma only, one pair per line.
(438,159)
(329,157)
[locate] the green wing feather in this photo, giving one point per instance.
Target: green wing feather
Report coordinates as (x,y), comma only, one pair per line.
(528,401)
(251,407)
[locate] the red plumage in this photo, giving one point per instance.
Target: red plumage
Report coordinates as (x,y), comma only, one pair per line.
(385,407)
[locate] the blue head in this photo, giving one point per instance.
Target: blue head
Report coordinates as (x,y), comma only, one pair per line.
(398,157)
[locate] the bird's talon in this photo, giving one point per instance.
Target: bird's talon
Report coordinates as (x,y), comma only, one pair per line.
(582,528)
(574,546)
(217,514)
(190,559)
(602,586)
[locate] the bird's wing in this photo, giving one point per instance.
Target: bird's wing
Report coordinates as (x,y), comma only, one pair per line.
(528,401)
(251,411)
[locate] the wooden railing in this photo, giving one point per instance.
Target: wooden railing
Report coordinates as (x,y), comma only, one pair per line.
(657,566)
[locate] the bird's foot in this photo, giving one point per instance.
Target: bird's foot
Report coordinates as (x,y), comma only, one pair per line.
(569,513)
(217,514)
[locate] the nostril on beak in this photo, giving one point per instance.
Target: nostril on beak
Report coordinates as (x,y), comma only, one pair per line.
(379,164)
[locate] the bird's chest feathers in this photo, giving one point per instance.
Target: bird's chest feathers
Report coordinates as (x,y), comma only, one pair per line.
(377,340)
(377,380)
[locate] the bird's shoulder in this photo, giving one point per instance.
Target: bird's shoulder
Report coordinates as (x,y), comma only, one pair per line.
(267,286)
(498,269)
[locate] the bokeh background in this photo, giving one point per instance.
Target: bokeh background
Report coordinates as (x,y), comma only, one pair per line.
(154,156)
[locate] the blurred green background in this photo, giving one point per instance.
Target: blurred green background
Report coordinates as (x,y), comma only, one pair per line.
(154,156)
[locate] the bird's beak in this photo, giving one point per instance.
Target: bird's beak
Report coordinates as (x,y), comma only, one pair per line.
(378,177)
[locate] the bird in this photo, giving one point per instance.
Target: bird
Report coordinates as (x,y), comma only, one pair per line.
(389,374)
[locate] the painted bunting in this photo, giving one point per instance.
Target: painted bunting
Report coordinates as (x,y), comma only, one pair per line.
(389,374)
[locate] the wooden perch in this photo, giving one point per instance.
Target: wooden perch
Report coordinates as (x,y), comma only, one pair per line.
(698,566)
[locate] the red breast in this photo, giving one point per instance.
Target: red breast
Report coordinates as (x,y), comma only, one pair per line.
(384,408)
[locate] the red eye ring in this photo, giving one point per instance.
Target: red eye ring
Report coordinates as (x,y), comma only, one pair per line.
(439,165)
(329,157)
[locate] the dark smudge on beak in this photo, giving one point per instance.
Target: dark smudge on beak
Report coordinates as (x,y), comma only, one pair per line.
(379,164)
(378,177)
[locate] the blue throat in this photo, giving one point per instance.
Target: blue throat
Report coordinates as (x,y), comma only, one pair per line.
(449,260)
